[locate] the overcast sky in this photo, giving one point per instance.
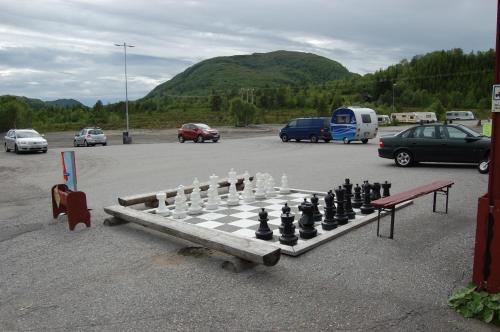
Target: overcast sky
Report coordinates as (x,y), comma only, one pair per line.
(52,49)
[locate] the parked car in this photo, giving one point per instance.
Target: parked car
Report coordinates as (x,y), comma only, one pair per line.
(312,129)
(197,132)
(24,140)
(90,137)
(435,143)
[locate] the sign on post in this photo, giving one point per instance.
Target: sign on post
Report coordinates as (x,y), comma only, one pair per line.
(69,169)
(495,98)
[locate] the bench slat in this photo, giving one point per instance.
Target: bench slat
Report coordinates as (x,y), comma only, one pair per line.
(411,194)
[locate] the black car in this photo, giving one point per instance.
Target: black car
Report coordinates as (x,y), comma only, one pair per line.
(435,143)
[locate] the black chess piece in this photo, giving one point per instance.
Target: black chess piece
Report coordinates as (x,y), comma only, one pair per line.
(264,232)
(288,236)
(348,204)
(357,200)
(347,186)
(375,191)
(305,202)
(284,210)
(386,186)
(367,207)
(317,216)
(329,222)
(306,222)
(340,217)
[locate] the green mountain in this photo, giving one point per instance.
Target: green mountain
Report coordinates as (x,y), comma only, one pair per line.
(63,103)
(37,104)
(257,70)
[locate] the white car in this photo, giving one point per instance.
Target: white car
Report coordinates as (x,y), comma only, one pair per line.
(24,140)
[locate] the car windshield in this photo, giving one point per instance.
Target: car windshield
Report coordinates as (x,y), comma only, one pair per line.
(470,131)
(202,126)
(27,134)
(96,132)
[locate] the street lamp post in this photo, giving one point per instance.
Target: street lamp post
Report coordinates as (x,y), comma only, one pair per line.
(124,45)
(393,86)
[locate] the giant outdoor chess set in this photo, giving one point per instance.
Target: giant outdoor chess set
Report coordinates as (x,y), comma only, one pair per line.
(259,213)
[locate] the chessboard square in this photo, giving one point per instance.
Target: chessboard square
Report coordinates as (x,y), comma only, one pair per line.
(244,223)
(276,201)
(297,200)
(245,207)
(245,214)
(275,221)
(210,224)
(260,203)
(275,207)
(227,228)
(228,219)
(299,195)
(276,213)
(245,232)
(211,216)
(195,220)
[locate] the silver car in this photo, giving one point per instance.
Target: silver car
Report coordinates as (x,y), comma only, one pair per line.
(90,137)
(24,140)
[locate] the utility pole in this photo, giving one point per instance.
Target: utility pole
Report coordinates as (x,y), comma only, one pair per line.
(393,87)
(126,139)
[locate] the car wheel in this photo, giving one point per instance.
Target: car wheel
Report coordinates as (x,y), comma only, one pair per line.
(6,148)
(284,138)
(403,158)
(85,143)
(200,139)
(215,140)
(104,144)
(314,139)
(297,140)
(346,141)
(75,144)
(181,139)
(44,151)
(364,140)
(16,150)
(484,166)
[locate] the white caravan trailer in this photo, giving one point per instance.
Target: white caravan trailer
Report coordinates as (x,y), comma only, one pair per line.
(353,124)
(383,119)
(414,117)
(460,115)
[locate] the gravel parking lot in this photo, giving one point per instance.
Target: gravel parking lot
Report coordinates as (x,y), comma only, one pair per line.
(127,278)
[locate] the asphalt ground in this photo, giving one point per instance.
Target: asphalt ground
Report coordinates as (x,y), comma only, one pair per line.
(127,278)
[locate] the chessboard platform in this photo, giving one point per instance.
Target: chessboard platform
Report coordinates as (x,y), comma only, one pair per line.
(241,221)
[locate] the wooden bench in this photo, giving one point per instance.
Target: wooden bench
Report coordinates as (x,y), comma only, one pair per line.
(389,203)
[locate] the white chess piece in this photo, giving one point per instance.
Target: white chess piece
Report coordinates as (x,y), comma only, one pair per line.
(260,191)
(162,209)
(196,206)
(270,192)
(213,196)
(232,198)
(214,183)
(248,196)
(284,185)
(180,210)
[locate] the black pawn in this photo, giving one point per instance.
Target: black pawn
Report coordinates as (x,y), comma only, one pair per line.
(288,236)
(264,232)
(367,207)
(284,210)
(317,216)
(340,217)
(357,200)
(329,222)
(375,191)
(306,222)
(348,205)
(386,186)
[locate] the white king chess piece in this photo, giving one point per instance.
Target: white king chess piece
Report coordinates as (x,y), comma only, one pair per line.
(196,206)
(232,198)
(213,196)
(284,185)
(214,183)
(248,196)
(180,205)
(162,209)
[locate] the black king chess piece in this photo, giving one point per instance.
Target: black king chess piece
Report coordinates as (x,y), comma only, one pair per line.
(347,198)
(264,232)
(284,210)
(329,222)
(288,236)
(357,200)
(317,216)
(386,186)
(375,191)
(367,207)
(306,222)
(340,217)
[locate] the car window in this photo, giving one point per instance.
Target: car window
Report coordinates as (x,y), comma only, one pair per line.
(366,118)
(441,132)
(292,124)
(27,134)
(345,118)
(455,133)
(469,131)
(202,126)
(425,132)
(406,134)
(95,132)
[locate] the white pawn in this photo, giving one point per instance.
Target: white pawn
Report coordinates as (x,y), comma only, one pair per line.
(180,210)
(284,185)
(232,198)
(248,196)
(212,201)
(196,206)
(260,191)
(162,209)
(270,192)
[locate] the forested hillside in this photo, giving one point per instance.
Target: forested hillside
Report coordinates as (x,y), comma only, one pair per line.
(437,81)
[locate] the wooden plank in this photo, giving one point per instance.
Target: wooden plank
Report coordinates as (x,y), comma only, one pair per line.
(411,194)
(149,198)
(246,249)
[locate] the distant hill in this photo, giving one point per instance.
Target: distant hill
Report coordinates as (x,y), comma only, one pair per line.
(65,103)
(39,104)
(256,70)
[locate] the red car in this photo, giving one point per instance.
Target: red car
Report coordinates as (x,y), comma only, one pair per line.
(197,132)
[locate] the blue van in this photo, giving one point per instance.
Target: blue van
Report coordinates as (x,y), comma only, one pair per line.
(312,129)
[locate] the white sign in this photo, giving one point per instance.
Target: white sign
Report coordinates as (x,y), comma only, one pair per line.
(495,98)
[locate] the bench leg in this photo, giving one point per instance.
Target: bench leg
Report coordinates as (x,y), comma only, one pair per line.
(393,215)
(378,223)
(434,202)
(447,196)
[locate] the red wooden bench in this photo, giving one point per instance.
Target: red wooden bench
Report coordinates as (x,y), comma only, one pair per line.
(389,203)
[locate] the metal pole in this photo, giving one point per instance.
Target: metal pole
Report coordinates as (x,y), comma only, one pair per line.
(126,85)
(393,85)
(494,175)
